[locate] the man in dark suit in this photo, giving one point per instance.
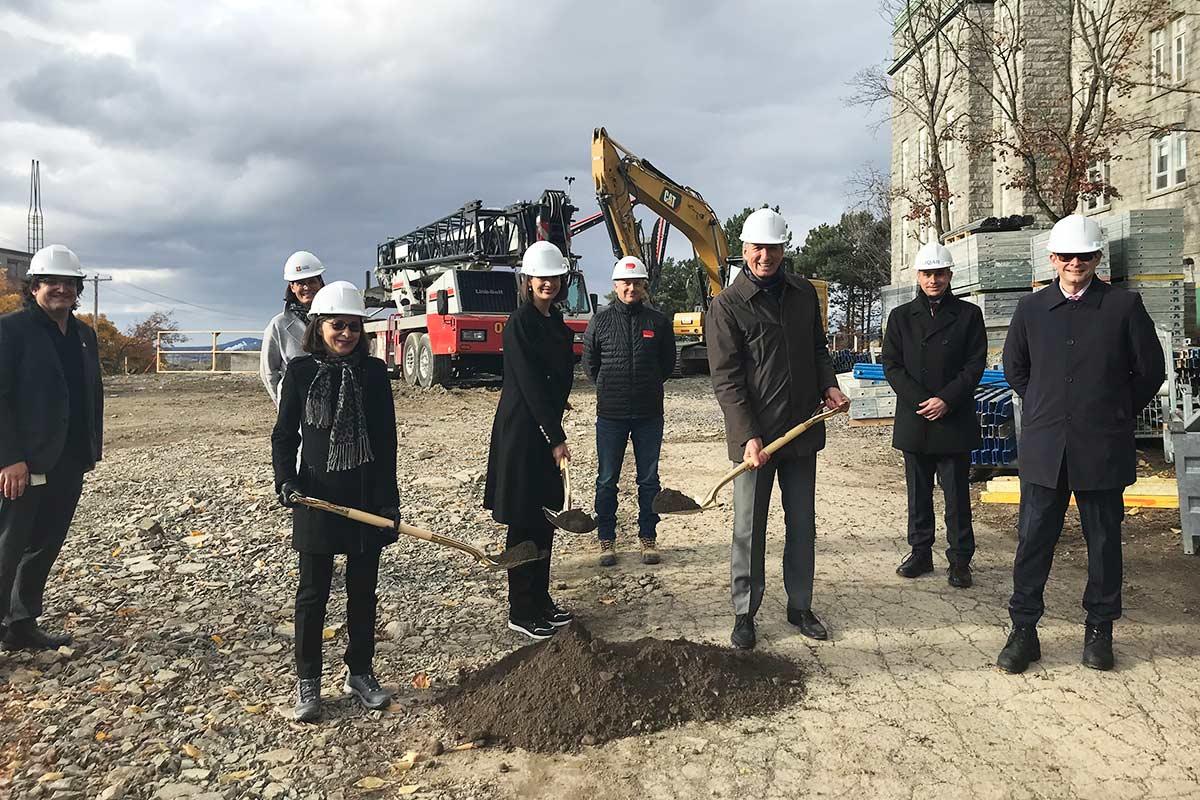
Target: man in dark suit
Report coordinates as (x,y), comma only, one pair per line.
(1085,359)
(933,357)
(51,421)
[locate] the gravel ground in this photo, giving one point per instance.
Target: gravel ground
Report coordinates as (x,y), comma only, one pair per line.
(177,582)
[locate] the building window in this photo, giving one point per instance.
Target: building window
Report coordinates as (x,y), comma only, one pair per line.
(904,163)
(1168,161)
(1168,56)
(1098,172)
(1179,50)
(1158,56)
(904,242)
(923,149)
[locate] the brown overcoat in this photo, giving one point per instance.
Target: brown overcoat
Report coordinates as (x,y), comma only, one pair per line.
(769,362)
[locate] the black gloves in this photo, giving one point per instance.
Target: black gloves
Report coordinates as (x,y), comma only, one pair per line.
(286,491)
(392,513)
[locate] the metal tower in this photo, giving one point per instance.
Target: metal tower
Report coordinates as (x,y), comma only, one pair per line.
(36,235)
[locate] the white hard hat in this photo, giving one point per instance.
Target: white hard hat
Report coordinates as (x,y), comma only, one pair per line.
(55,259)
(765,227)
(339,297)
(933,255)
(629,268)
(543,260)
(1075,234)
(302,265)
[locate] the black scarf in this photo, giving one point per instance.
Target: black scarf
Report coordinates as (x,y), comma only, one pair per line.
(298,309)
(772,283)
(349,444)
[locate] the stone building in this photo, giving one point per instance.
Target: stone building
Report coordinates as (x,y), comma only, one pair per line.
(14,264)
(1149,172)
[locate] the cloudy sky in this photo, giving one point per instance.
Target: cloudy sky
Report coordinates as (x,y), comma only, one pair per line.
(188,152)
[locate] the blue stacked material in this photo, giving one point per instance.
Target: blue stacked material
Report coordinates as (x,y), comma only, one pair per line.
(994,405)
(844,360)
(874,372)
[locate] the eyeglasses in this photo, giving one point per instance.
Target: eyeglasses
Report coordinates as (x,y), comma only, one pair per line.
(339,325)
(308,283)
(1081,256)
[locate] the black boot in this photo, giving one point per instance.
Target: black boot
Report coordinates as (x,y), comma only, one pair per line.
(26,635)
(1022,649)
(959,575)
(807,622)
(743,636)
(916,563)
(308,700)
(1097,646)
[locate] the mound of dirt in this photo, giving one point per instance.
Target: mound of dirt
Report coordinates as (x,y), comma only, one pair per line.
(669,501)
(573,689)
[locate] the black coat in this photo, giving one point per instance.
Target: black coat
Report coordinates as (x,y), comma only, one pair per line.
(34,398)
(769,363)
(935,356)
(629,352)
(370,487)
(1083,370)
(539,363)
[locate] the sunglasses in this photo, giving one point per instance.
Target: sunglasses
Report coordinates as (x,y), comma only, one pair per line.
(339,325)
(1081,256)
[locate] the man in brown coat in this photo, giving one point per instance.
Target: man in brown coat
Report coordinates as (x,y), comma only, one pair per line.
(770,369)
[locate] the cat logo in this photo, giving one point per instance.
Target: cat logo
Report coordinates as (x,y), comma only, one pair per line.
(671,199)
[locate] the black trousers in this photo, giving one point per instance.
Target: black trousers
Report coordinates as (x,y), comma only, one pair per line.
(32,531)
(953,471)
(312,596)
(529,584)
(1039,528)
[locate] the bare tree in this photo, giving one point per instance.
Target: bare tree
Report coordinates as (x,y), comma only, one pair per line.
(1050,131)
(920,83)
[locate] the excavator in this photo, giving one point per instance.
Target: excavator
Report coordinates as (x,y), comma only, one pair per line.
(624,180)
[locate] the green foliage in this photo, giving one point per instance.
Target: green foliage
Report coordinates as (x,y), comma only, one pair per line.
(854,255)
(678,286)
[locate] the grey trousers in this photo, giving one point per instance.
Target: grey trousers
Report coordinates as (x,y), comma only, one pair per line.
(751,501)
(32,531)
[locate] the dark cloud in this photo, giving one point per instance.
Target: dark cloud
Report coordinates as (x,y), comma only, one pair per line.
(219,142)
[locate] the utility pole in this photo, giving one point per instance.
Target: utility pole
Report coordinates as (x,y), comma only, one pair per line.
(95,281)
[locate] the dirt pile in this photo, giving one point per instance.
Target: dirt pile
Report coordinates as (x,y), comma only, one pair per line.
(575,689)
(669,501)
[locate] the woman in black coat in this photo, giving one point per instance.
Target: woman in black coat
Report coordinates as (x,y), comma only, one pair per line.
(528,441)
(341,400)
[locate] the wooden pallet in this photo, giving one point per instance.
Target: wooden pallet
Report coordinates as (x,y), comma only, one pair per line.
(872,423)
(1145,493)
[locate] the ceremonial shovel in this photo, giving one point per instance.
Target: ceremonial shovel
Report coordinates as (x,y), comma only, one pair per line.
(523,553)
(669,501)
(572,520)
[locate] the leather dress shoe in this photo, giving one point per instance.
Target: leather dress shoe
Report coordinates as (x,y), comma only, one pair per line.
(1097,646)
(28,636)
(743,636)
(916,563)
(807,622)
(959,575)
(308,700)
(1021,650)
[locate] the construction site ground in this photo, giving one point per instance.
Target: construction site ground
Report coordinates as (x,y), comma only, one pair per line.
(181,678)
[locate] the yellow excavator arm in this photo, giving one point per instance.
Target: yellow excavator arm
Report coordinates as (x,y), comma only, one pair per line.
(622,179)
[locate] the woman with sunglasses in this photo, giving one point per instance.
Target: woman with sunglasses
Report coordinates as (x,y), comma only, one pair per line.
(341,400)
(283,339)
(528,441)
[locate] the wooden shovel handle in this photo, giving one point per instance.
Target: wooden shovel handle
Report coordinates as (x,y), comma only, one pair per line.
(773,448)
(383,522)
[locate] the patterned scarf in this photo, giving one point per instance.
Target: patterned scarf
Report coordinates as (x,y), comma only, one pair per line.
(349,446)
(297,309)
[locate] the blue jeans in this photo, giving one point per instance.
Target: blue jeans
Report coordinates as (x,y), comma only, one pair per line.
(611,436)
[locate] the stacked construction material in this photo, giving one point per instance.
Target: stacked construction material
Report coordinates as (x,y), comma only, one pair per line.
(871,398)
(1144,493)
(1144,254)
(844,360)
(994,405)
